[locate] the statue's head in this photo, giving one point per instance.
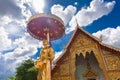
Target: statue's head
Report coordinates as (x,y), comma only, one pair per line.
(45,43)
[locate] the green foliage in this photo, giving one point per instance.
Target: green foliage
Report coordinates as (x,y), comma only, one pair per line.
(26,71)
(11,78)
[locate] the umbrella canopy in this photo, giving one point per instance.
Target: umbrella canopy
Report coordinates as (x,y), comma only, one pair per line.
(41,24)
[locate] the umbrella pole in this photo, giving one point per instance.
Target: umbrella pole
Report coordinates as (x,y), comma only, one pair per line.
(48,37)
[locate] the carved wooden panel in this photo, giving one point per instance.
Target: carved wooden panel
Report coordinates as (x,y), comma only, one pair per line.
(63,70)
(114,75)
(113,62)
(56,74)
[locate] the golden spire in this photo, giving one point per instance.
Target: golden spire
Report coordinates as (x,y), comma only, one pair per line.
(101,38)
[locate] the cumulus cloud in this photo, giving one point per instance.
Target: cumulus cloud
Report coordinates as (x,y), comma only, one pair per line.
(86,16)
(5,42)
(15,44)
(4,68)
(38,5)
(24,48)
(7,67)
(9,7)
(4,20)
(96,10)
(73,23)
(17,8)
(110,36)
(65,14)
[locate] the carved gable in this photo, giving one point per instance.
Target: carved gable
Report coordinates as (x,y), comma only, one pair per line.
(82,42)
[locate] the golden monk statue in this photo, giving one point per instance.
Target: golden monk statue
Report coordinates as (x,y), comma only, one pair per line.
(44,62)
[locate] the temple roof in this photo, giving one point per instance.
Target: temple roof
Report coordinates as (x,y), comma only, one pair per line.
(102,45)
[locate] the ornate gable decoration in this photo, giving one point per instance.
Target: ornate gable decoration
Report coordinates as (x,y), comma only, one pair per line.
(90,73)
(113,62)
(82,44)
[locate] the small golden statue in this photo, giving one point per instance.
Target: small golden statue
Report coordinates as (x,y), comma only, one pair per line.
(44,62)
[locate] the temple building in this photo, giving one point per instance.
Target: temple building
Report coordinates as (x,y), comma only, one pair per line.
(87,58)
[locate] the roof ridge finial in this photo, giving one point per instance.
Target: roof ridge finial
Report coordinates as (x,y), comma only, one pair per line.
(76,22)
(101,38)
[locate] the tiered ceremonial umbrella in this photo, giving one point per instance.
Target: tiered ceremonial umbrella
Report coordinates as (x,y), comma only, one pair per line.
(45,26)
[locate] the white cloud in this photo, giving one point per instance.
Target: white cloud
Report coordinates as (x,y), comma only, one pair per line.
(110,36)
(17,12)
(38,5)
(72,24)
(24,48)
(17,8)
(96,10)
(5,69)
(5,42)
(65,14)
(86,16)
(10,8)
(4,20)
(16,45)
(15,30)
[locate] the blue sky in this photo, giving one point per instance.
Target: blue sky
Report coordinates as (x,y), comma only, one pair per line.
(98,17)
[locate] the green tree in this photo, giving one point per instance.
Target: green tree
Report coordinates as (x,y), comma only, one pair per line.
(11,78)
(26,71)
